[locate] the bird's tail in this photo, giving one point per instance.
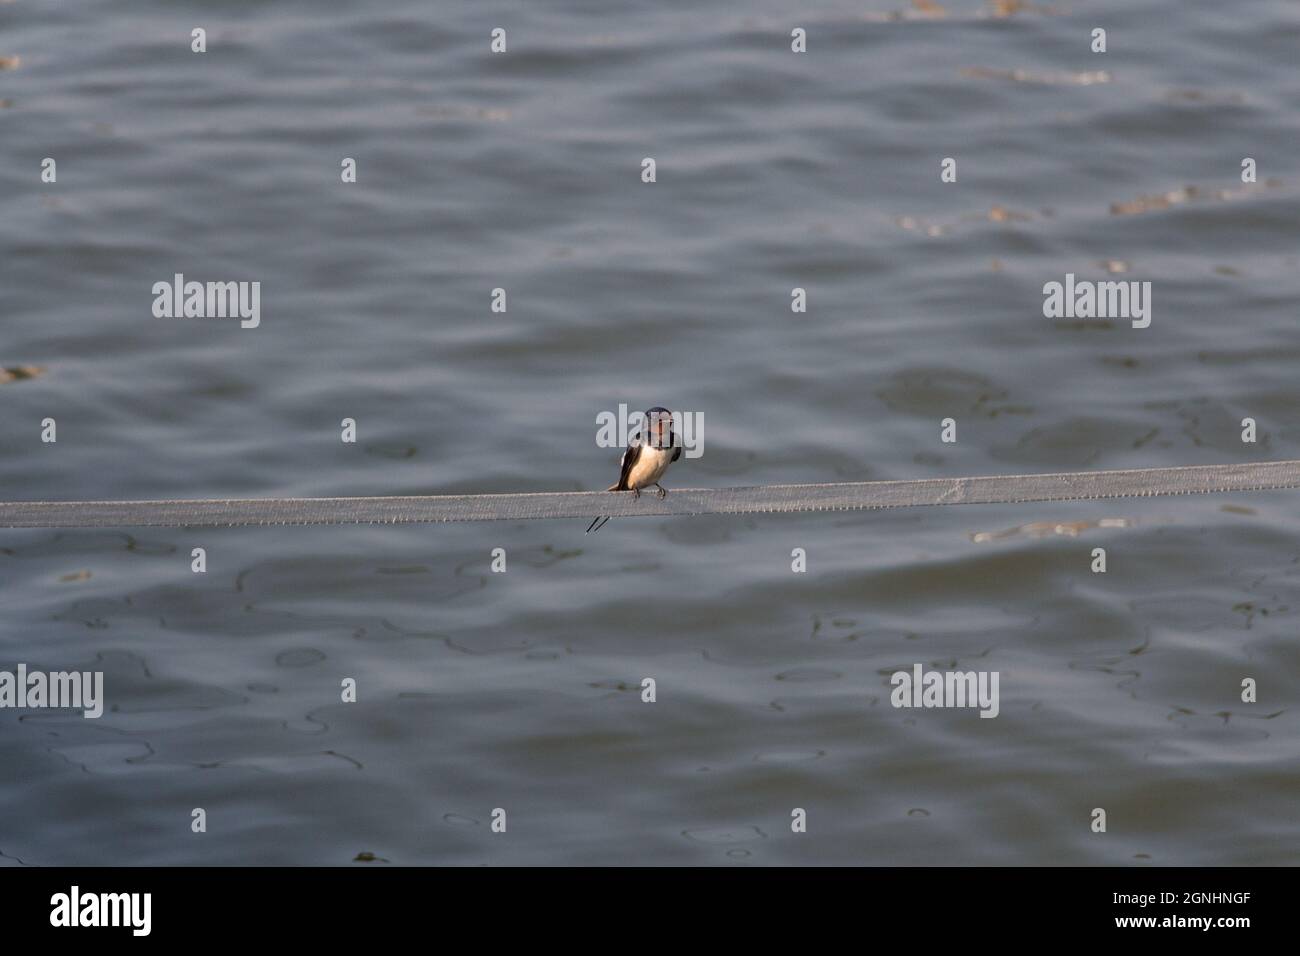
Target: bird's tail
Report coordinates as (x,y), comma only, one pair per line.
(600,521)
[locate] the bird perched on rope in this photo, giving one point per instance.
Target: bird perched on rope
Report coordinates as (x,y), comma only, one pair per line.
(648,456)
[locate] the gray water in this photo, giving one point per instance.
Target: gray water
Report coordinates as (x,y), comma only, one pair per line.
(775,170)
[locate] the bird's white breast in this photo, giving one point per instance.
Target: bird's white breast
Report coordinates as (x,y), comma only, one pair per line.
(650,466)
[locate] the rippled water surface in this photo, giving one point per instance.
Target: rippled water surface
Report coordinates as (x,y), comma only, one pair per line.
(775,170)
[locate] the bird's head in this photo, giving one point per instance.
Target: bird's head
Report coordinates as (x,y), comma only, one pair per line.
(659,427)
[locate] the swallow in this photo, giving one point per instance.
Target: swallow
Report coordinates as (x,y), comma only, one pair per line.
(645,461)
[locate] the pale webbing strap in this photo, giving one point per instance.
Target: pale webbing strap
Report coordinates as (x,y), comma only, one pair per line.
(843,496)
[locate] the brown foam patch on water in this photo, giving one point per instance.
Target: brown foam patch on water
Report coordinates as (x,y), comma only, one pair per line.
(1188,194)
(997,213)
(1002,9)
(1057,78)
(933,10)
(10,62)
(18,373)
(912,224)
(1003,214)
(929,9)
(1041,529)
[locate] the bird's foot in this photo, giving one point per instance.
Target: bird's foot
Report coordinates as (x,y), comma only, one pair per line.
(636,492)
(663,492)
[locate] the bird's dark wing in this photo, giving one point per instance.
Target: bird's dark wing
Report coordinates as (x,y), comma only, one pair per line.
(677,453)
(629,462)
(630,458)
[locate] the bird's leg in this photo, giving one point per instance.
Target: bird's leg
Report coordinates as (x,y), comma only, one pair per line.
(663,492)
(636,492)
